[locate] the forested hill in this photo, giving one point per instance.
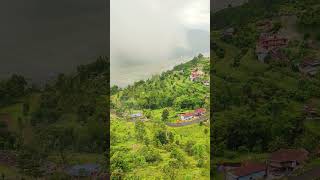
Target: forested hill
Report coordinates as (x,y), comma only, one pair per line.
(263,106)
(258,9)
(172,88)
(59,124)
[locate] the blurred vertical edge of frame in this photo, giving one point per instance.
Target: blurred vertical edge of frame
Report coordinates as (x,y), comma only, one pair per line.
(55,89)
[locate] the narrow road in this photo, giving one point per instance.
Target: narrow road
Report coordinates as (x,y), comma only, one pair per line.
(187,123)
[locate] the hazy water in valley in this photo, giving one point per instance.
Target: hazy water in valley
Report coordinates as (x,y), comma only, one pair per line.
(125,75)
(128,70)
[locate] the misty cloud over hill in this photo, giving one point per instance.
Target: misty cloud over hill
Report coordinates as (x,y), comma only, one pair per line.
(154,34)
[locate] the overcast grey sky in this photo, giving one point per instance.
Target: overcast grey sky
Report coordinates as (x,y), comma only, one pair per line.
(39,38)
(150,36)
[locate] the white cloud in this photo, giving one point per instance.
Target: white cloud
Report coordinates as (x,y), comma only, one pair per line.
(152,30)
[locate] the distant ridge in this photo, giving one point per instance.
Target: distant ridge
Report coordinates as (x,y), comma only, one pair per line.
(217,5)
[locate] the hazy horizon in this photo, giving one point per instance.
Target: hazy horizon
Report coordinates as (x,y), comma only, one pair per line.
(155,35)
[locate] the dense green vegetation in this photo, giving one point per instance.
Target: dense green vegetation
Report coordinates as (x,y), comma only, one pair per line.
(59,123)
(148,148)
(259,107)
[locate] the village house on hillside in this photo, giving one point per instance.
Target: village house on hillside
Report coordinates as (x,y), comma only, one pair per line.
(136,115)
(206,83)
(186,116)
(199,112)
(196,113)
(248,171)
(228,33)
(309,66)
(284,161)
(196,74)
(270,44)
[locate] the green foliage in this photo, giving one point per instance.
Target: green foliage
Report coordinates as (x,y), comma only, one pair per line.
(140,130)
(29,161)
(310,17)
(170,170)
(150,154)
(165,114)
(12,89)
(179,156)
(258,107)
(242,15)
(220,52)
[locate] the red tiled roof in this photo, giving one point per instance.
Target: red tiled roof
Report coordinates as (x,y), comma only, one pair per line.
(249,168)
(187,114)
(309,61)
(200,110)
(284,155)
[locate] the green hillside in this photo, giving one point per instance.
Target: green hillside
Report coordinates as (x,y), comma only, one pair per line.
(147,147)
(259,107)
(59,124)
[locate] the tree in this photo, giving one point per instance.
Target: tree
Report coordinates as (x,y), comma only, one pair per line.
(29,161)
(165,114)
(170,170)
(140,130)
(150,154)
(177,154)
(200,56)
(16,86)
(161,136)
(25,108)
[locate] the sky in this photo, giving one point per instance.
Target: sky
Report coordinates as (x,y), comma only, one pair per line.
(147,37)
(40,38)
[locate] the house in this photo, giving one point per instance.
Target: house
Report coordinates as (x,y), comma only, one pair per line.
(199,112)
(310,110)
(206,83)
(227,33)
(278,55)
(195,75)
(264,25)
(261,53)
(136,115)
(84,170)
(272,41)
(309,66)
(270,45)
(186,116)
(248,171)
(285,161)
(227,166)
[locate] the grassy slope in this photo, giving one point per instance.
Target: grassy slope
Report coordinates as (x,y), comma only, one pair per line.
(15,111)
(250,66)
(125,132)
